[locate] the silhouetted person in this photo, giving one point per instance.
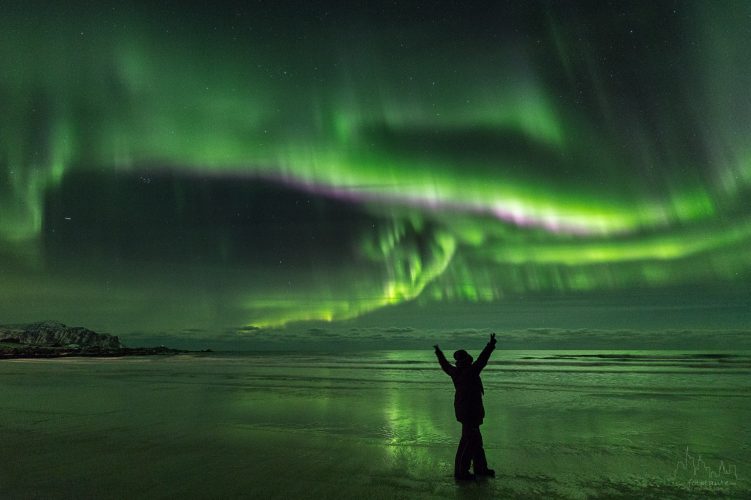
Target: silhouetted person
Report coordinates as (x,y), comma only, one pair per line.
(468,409)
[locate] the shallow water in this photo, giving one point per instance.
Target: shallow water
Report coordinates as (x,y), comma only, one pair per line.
(585,424)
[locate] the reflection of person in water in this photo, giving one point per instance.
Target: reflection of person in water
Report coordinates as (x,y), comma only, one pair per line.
(469,409)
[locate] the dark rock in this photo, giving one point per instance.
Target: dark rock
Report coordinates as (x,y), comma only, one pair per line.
(51,339)
(55,334)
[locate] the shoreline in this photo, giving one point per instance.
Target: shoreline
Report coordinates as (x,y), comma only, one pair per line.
(41,352)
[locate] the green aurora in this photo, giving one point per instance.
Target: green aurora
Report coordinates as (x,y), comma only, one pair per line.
(174,165)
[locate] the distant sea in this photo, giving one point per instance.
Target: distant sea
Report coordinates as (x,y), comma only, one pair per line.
(376,424)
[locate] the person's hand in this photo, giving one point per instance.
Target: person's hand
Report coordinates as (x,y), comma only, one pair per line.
(492,338)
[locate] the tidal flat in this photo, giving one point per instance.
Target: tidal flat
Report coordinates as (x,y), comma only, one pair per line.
(376,424)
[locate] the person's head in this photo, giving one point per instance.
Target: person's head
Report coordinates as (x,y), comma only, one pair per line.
(462,358)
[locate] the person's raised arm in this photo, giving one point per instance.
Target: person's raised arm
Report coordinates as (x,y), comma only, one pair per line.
(484,356)
(445,365)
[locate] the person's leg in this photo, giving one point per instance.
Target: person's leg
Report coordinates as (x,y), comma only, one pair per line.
(463,454)
(478,458)
(480,462)
(471,433)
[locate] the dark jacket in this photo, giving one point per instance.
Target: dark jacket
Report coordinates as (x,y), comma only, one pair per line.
(469,391)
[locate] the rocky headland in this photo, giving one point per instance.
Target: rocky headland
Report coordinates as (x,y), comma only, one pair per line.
(51,339)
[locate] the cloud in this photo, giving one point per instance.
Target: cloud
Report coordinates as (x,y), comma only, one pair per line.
(321,332)
(396,329)
(343,337)
(190,331)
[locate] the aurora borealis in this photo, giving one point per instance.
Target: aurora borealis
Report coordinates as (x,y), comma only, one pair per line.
(180,164)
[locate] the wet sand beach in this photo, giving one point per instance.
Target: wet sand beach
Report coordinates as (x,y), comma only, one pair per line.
(560,424)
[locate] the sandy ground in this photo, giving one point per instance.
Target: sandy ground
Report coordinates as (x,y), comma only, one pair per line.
(372,425)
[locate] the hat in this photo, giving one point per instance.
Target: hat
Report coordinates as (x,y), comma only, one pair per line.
(461,354)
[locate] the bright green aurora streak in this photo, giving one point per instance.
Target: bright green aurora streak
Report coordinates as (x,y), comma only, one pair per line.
(548,150)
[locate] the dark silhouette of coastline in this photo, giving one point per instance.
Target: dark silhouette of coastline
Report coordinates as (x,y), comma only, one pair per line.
(34,352)
(51,339)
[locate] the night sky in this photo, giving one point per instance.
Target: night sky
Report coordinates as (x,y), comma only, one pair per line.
(215,170)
